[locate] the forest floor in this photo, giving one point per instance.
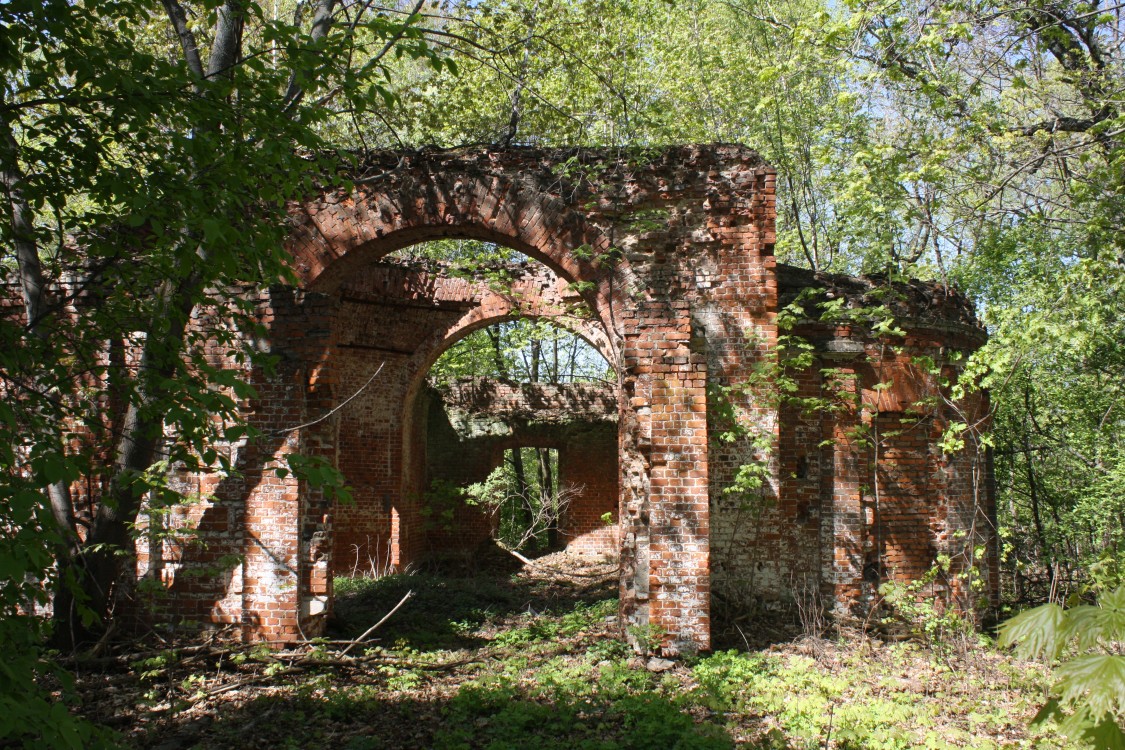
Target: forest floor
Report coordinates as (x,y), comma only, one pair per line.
(530,658)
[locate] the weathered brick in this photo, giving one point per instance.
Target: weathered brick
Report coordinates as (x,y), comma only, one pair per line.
(674,253)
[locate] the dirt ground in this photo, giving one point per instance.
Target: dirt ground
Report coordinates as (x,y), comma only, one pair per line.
(510,656)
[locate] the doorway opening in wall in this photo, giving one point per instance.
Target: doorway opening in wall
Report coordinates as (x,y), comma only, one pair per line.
(502,499)
(521,435)
(526,503)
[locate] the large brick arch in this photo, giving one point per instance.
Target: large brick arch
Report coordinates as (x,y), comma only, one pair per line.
(590,218)
(437,198)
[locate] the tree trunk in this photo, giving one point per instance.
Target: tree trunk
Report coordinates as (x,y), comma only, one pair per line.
(95,570)
(1033,491)
(547,497)
(515,457)
(37,305)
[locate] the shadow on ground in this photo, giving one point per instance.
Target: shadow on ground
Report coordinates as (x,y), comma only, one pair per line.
(352,718)
(452,607)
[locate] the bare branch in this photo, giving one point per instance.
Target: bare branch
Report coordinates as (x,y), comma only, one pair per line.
(337,408)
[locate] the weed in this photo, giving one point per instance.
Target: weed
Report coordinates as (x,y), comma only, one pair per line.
(535,667)
(502,718)
(941,627)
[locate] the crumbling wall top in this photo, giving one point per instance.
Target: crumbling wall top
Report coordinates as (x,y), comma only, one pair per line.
(554,403)
(912,302)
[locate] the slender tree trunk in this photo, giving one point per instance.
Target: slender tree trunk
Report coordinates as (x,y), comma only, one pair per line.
(96,570)
(515,457)
(497,355)
(37,304)
(1033,491)
(547,497)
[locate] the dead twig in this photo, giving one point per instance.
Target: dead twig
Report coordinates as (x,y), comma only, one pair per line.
(375,627)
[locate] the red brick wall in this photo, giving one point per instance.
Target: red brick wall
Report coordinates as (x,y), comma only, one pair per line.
(892,504)
(687,229)
(672,254)
(588,464)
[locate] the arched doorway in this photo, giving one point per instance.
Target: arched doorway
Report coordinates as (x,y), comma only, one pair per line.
(385,348)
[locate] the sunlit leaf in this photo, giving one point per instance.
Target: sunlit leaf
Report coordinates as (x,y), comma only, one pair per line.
(1097,681)
(1038,632)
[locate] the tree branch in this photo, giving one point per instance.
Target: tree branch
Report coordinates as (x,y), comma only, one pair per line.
(321,24)
(35,297)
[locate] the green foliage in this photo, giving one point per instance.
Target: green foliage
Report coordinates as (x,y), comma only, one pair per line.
(499,718)
(1088,695)
(152,178)
(974,143)
(523,350)
(440,503)
(440,613)
(809,704)
(551,628)
(318,472)
(30,717)
(942,627)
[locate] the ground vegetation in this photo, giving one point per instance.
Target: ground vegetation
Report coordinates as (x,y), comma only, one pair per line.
(494,657)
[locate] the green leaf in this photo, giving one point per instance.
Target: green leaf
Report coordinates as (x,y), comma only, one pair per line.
(1051,710)
(1105,735)
(1097,681)
(53,467)
(1036,633)
(1091,625)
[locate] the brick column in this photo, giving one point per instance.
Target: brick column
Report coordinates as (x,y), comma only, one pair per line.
(665,514)
(271,566)
(847,522)
(285,556)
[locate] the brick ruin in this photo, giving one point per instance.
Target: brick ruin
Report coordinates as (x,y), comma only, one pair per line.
(663,261)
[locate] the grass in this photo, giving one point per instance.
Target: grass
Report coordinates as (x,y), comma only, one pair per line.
(532,661)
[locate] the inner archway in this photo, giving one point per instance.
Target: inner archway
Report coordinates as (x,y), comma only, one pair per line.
(519,424)
(398,315)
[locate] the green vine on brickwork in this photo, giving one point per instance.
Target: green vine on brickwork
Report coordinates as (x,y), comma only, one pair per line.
(774,381)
